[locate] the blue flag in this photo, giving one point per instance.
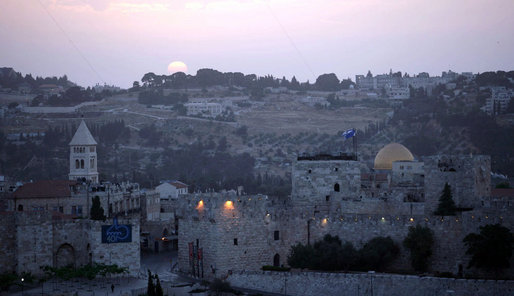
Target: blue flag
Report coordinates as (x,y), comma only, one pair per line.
(348,134)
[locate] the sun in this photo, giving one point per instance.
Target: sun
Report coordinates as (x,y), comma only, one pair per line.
(177,66)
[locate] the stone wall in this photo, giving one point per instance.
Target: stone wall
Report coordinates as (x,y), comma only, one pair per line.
(237,236)
(313,180)
(31,240)
(253,220)
(468,176)
(122,254)
(8,242)
(340,284)
(34,242)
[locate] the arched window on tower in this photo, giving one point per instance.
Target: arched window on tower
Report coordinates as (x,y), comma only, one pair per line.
(81,163)
(92,163)
(77,164)
(336,187)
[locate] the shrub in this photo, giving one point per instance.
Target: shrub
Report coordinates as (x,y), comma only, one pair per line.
(378,253)
(419,241)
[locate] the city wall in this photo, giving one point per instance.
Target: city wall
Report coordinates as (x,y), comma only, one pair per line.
(8,242)
(340,284)
(31,240)
(254,220)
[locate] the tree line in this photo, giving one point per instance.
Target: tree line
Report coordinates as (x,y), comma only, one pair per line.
(210,77)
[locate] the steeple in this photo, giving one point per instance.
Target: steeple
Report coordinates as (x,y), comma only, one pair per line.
(83,158)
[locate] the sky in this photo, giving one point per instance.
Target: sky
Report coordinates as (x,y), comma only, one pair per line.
(118,41)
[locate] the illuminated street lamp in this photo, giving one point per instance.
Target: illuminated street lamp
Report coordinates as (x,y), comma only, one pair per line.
(22,280)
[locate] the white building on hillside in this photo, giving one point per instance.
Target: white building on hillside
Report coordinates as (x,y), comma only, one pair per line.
(171,190)
(208,109)
(499,100)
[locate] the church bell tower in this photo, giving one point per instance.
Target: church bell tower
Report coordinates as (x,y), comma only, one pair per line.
(83,160)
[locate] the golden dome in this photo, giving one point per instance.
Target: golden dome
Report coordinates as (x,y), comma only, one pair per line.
(391,152)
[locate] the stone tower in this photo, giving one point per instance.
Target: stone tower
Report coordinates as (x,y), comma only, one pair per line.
(83,160)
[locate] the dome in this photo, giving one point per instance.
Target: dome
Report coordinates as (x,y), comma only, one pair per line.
(390,153)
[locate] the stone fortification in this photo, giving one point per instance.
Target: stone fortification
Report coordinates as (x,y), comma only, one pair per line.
(253,221)
(122,254)
(246,232)
(8,242)
(34,239)
(317,180)
(341,284)
(234,232)
(468,176)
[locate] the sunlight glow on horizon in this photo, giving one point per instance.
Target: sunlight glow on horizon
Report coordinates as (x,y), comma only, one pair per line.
(124,39)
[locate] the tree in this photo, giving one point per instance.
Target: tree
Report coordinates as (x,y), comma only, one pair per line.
(327,82)
(419,241)
(491,249)
(300,256)
(150,289)
(446,205)
(97,212)
(158,288)
(378,253)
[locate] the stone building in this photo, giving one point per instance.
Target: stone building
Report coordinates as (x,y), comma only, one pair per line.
(221,233)
(39,223)
(31,240)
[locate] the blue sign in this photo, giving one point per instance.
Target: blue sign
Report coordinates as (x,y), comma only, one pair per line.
(116,233)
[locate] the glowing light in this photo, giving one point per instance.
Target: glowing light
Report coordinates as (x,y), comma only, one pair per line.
(177,66)
(267,215)
(411,219)
(200,205)
(383,219)
(229,205)
(487,217)
(324,221)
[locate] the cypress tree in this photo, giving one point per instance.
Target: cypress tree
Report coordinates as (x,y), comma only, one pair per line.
(150,290)
(97,212)
(158,288)
(446,205)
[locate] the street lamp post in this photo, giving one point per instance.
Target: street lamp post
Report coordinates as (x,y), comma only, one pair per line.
(22,280)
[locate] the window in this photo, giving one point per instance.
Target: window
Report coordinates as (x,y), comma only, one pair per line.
(327,198)
(92,149)
(276,235)
(276,260)
(61,209)
(73,210)
(81,163)
(92,163)
(77,164)
(336,169)
(336,187)
(235,242)
(310,171)
(20,208)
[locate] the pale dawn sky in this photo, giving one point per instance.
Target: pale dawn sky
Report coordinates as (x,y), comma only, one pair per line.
(117,41)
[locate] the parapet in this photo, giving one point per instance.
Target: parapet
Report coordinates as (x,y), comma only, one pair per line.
(327,157)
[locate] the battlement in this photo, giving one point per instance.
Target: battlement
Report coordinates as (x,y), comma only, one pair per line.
(325,157)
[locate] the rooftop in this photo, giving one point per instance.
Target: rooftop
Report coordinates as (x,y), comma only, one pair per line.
(317,157)
(45,189)
(82,136)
